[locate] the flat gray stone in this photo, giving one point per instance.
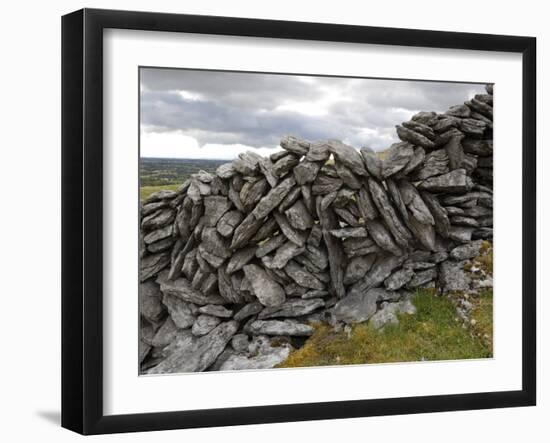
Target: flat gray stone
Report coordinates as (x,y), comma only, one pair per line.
(467,251)
(279,327)
(268,291)
(398,279)
(240,258)
(452,276)
(214,243)
(285,253)
(421,128)
(150,305)
(422,277)
(183,313)
(182,288)
(306,172)
(388,314)
(158,234)
(397,199)
(458,111)
(165,334)
(318,152)
(344,196)
(356,308)
(290,199)
(151,265)
(426,118)
(247,163)
(358,267)
(295,236)
(245,231)
(424,233)
(414,203)
(460,220)
(226,288)
(273,198)
(208,257)
(347,176)
(453,182)
(359,232)
(277,155)
(446,123)
(435,163)
(267,360)
(225,171)
(216,311)
(382,237)
(372,162)
(270,245)
(163,194)
(295,145)
(266,168)
(251,192)
(348,156)
(354,247)
(299,217)
(381,270)
(266,230)
(415,138)
(302,277)
(214,207)
(473,127)
(455,152)
(293,308)
(481,107)
(314,293)
(204,324)
(325,184)
(285,164)
(366,204)
(190,354)
(415,162)
(461,234)
(239,342)
(248,310)
(439,214)
(161,245)
(382,202)
(398,156)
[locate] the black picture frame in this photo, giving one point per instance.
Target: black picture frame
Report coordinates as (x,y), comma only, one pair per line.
(82,232)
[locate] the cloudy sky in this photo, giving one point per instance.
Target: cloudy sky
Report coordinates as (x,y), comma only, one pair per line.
(209,114)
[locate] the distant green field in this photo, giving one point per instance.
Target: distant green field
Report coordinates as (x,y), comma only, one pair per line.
(168,171)
(156,174)
(146,191)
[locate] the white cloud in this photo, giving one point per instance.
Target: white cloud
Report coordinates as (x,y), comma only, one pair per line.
(167,145)
(175,144)
(215,114)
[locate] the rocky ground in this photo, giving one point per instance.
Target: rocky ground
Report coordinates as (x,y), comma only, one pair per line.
(237,267)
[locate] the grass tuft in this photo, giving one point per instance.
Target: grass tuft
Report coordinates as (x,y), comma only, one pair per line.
(482,314)
(433,333)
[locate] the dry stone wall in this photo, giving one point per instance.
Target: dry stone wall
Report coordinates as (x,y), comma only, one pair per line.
(235,266)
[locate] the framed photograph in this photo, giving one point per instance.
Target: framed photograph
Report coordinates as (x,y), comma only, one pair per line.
(269,221)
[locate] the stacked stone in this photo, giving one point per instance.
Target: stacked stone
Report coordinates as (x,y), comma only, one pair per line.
(235,266)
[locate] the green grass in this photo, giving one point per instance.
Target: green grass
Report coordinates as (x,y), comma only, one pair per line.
(146,191)
(483,316)
(433,333)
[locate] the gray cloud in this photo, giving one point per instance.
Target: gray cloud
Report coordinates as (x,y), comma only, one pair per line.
(258,109)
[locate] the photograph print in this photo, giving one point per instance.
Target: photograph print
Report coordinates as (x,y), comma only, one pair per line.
(293,221)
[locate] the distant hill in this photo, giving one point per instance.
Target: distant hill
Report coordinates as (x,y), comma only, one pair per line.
(171,171)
